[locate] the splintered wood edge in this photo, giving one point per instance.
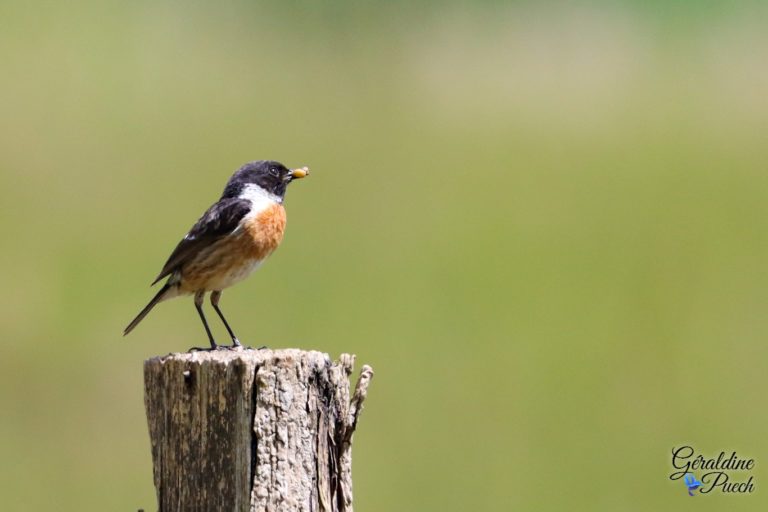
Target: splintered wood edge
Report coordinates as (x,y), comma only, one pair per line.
(356,403)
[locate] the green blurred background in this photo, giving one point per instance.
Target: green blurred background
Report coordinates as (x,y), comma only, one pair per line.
(544,226)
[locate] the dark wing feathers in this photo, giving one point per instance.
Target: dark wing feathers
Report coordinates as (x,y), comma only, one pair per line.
(221,219)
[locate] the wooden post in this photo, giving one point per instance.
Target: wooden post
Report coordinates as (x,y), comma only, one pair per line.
(253,430)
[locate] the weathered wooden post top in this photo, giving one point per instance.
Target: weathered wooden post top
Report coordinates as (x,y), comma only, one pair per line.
(253,430)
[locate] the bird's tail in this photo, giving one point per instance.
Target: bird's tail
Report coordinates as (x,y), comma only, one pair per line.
(161,296)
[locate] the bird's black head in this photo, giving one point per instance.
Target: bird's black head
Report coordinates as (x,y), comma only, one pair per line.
(273,177)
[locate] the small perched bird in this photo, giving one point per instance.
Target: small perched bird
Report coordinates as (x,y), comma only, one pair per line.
(230,240)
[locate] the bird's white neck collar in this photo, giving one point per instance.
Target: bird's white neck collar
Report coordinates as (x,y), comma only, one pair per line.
(257,195)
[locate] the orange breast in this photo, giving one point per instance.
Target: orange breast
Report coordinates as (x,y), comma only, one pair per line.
(265,231)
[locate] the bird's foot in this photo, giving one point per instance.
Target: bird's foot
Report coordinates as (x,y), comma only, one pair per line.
(236,345)
(214,346)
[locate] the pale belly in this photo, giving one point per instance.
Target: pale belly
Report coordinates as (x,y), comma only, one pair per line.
(233,275)
(217,269)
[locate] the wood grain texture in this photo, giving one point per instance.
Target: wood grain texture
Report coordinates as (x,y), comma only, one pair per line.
(253,430)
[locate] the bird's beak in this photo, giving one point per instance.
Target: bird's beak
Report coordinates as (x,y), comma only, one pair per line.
(302,172)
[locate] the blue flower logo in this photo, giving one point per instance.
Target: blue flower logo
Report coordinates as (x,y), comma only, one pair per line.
(691,483)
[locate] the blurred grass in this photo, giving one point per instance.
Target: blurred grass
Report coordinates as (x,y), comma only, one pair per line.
(543,225)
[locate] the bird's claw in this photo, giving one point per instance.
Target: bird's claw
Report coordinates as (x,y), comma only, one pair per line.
(236,345)
(201,349)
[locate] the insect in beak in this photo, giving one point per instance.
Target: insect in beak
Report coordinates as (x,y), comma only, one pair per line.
(299,173)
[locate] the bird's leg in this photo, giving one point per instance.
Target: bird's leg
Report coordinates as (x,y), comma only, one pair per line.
(199,296)
(215,296)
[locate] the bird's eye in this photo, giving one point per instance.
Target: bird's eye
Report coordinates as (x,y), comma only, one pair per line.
(273,172)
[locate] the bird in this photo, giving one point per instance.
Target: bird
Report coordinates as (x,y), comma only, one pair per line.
(228,242)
